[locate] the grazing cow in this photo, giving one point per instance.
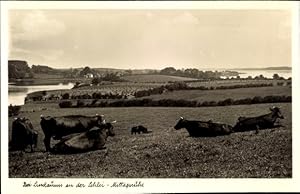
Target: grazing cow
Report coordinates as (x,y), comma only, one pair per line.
(138,129)
(94,139)
(203,128)
(23,134)
(260,122)
(57,127)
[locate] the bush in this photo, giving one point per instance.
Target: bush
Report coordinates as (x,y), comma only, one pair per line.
(65,104)
(80,103)
(257,99)
(13,110)
(66,96)
(175,103)
(226,102)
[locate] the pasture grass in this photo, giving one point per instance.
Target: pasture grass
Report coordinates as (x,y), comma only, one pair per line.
(165,152)
(217,95)
(155,78)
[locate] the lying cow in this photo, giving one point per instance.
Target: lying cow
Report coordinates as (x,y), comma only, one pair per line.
(23,135)
(94,139)
(203,128)
(260,122)
(139,129)
(57,127)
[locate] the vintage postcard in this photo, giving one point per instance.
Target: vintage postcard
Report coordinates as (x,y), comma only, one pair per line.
(149,97)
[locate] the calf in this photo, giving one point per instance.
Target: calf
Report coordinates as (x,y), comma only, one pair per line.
(94,139)
(203,128)
(138,129)
(23,134)
(259,122)
(57,127)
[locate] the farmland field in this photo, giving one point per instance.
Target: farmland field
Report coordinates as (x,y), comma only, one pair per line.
(216,83)
(216,95)
(155,78)
(166,152)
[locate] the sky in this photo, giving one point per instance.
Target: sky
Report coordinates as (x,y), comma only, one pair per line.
(151,39)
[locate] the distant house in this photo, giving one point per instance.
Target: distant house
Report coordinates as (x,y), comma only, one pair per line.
(89,75)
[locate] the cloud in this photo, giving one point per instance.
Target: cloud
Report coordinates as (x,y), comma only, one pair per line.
(36,25)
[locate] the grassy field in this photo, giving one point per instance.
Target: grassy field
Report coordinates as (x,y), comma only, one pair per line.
(216,83)
(155,78)
(165,152)
(216,95)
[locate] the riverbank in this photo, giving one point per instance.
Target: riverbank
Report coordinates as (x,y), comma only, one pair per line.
(46,81)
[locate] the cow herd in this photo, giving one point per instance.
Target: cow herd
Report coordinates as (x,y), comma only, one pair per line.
(77,133)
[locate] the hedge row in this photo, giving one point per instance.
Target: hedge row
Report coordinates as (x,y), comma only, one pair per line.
(174,103)
(158,90)
(184,86)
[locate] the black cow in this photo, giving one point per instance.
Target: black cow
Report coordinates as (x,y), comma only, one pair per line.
(259,122)
(203,128)
(94,139)
(57,127)
(138,129)
(23,134)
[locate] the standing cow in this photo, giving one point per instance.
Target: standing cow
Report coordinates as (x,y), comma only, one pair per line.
(203,128)
(259,122)
(23,134)
(57,127)
(94,139)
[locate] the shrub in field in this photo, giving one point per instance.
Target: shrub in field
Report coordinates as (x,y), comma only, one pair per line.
(86,96)
(280,83)
(96,95)
(66,96)
(212,103)
(65,104)
(177,86)
(208,103)
(13,110)
(202,88)
(257,99)
(119,103)
(270,99)
(288,99)
(200,104)
(93,102)
(243,101)
(226,102)
(80,103)
(101,104)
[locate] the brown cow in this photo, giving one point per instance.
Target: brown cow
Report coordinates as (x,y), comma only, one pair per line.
(23,134)
(94,139)
(260,122)
(203,128)
(58,127)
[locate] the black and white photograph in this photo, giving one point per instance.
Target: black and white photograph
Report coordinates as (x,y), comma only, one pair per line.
(148,93)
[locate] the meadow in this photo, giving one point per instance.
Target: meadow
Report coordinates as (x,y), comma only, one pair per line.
(166,152)
(156,78)
(217,95)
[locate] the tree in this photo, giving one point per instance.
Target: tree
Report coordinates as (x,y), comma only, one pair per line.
(276,76)
(168,71)
(19,70)
(96,80)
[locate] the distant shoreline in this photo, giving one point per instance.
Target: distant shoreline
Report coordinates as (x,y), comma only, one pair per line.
(266,68)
